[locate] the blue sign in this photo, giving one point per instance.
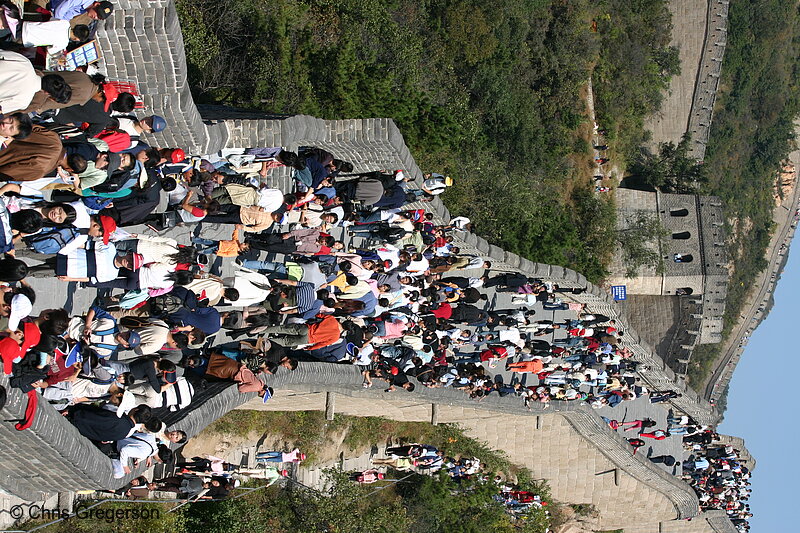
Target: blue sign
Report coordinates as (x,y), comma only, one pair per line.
(619,292)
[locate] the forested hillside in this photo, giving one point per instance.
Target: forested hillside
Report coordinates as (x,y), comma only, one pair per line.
(753,130)
(490,92)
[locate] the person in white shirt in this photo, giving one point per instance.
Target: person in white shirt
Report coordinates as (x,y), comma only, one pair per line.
(135,127)
(55,34)
(139,446)
(18,82)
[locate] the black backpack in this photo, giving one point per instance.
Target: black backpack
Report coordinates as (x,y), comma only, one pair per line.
(165,304)
(114,182)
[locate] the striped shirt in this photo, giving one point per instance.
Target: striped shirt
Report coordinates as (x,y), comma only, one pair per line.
(306,295)
(95,262)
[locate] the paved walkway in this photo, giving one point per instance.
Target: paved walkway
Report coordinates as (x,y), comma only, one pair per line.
(689,25)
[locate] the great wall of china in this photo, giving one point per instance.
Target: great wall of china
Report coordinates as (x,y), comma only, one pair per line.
(143,42)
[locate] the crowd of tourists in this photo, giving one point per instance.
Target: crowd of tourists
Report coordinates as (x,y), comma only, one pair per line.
(719,476)
(713,469)
(346,266)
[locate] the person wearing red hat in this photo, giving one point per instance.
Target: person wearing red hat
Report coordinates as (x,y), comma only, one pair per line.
(14,347)
(109,226)
(98,228)
(11,352)
(176,156)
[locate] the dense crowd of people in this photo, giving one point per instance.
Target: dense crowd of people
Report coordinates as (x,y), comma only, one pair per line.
(713,469)
(718,476)
(346,267)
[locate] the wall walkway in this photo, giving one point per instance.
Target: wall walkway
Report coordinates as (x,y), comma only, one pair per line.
(142,42)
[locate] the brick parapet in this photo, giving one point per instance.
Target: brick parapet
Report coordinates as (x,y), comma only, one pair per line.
(719,522)
(708,75)
(380,140)
(346,381)
(154,25)
(49,457)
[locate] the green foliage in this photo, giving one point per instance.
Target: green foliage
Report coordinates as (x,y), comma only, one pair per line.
(633,68)
(640,240)
(751,133)
(530,221)
(344,507)
(490,92)
(670,170)
(421,503)
(309,431)
(439,505)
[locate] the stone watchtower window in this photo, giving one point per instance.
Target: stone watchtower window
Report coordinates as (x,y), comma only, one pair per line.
(683,235)
(679,213)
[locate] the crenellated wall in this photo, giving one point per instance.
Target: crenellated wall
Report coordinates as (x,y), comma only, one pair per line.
(142,42)
(566,443)
(700,34)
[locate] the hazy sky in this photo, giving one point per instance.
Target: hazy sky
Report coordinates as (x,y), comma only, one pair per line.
(762,408)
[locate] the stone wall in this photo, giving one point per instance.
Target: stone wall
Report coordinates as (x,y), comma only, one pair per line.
(142,42)
(707,83)
(567,444)
(688,35)
(708,522)
(377,143)
(51,456)
(700,34)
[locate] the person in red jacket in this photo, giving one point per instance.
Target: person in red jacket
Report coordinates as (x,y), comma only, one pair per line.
(14,347)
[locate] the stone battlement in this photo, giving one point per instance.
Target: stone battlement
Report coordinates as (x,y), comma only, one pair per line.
(142,42)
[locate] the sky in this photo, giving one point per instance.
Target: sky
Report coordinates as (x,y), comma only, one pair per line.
(762,407)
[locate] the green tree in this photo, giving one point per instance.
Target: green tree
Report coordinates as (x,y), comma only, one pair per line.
(640,240)
(438,505)
(670,169)
(343,507)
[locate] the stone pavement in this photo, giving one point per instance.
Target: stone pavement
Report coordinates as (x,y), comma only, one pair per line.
(700,34)
(654,318)
(158,63)
(688,35)
(370,143)
(550,444)
(314,476)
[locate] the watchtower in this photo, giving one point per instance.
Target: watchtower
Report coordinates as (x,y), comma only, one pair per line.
(692,251)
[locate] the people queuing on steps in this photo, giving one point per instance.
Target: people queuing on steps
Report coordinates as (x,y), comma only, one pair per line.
(343,266)
(718,475)
(715,470)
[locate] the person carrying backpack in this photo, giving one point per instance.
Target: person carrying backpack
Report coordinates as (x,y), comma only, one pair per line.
(52,240)
(64,240)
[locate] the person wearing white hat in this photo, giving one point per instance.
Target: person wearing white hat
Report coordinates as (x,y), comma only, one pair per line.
(435,184)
